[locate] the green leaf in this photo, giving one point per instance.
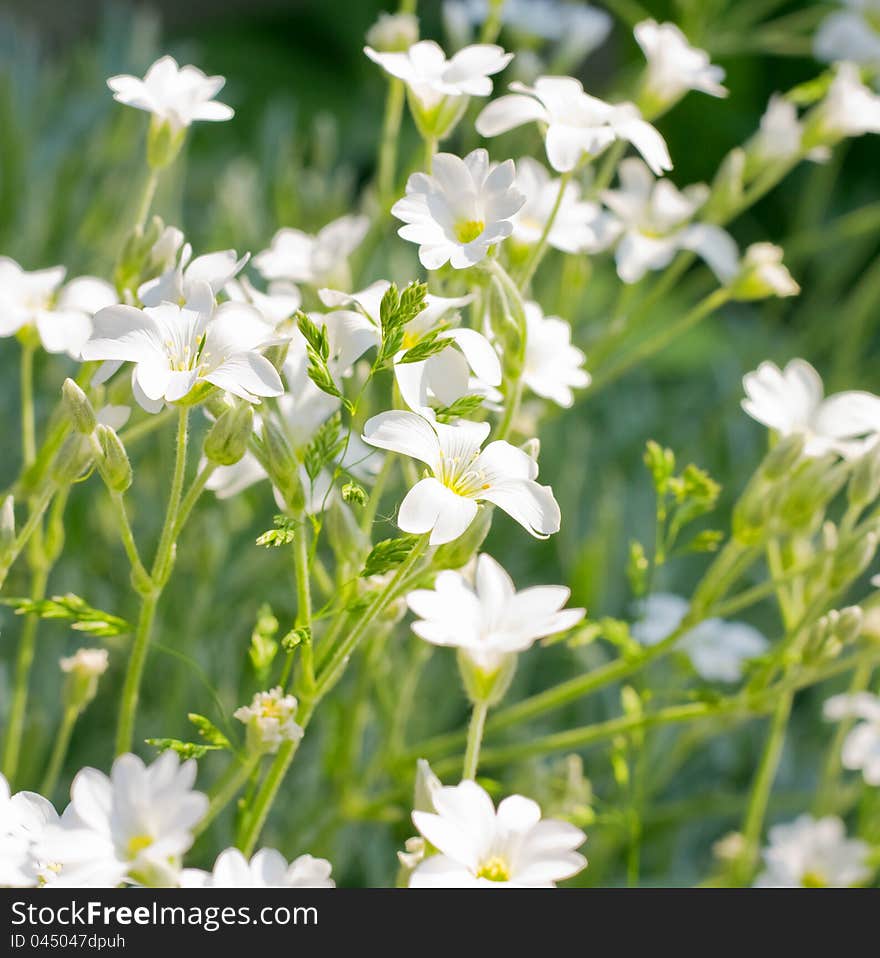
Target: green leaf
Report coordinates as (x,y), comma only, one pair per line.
(463,408)
(209,731)
(184,749)
(325,446)
(283,534)
(77,611)
(430,346)
(388,554)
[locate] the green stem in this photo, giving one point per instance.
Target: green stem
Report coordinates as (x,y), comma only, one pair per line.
(304,605)
(33,523)
(474,740)
(59,750)
(388,145)
(193,495)
(540,249)
(493,22)
(28,429)
(227,788)
(265,798)
(127,536)
(147,198)
(514,388)
(430,150)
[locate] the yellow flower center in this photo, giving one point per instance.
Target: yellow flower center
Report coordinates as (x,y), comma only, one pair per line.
(137,843)
(814,880)
(468,230)
(494,869)
(459,475)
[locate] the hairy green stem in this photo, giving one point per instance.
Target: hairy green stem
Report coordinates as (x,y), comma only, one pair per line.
(474,740)
(59,750)
(227,788)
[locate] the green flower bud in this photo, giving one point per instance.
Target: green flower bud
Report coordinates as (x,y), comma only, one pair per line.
(782,457)
(353,492)
(116,465)
(804,499)
(394,32)
(83,670)
(74,459)
(283,466)
(78,406)
(228,438)
(852,560)
(864,485)
(486,685)
(7,523)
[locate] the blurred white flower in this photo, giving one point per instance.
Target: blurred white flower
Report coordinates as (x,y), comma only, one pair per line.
(431,78)
(479,847)
(267,869)
(270,719)
(276,305)
(553,366)
(578,126)
(488,619)
(459,210)
(318,260)
(674,66)
(761,274)
(654,217)
(791,401)
(193,282)
(133,826)
(780,132)
(717,649)
(849,109)
(60,314)
(463,475)
(861,747)
(86,662)
(173,94)
(813,853)
(393,32)
(852,34)
(579,226)
(23,819)
(176,348)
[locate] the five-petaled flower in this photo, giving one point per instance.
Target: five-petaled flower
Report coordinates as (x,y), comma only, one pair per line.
(462,475)
(481,847)
(267,869)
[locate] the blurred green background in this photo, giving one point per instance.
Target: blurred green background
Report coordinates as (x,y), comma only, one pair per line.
(301,147)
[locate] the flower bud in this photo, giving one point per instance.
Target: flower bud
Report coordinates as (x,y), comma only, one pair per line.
(749,525)
(486,685)
(852,560)
(354,492)
(804,498)
(228,438)
(763,274)
(270,720)
(864,485)
(78,406)
(83,669)
(427,786)
(7,523)
(282,465)
(74,459)
(783,456)
(116,465)
(394,32)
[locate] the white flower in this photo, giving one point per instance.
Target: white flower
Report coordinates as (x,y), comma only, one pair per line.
(654,217)
(459,210)
(90,663)
(791,401)
(462,475)
(193,282)
(270,720)
(133,826)
(761,274)
(780,132)
(813,853)
(674,66)
(173,94)
(578,227)
(176,348)
(553,367)
(717,649)
(849,108)
(479,847)
(61,314)
(489,620)
(317,260)
(852,34)
(393,32)
(267,869)
(431,77)
(23,819)
(861,747)
(276,305)
(579,126)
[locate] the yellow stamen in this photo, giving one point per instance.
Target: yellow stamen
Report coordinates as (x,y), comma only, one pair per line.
(468,230)
(137,843)
(813,880)
(494,869)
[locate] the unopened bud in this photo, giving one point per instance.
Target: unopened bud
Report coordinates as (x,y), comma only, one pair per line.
(749,524)
(83,670)
(783,456)
(116,465)
(282,466)
(74,459)
(852,560)
(78,406)
(864,485)
(353,492)
(7,523)
(393,32)
(228,438)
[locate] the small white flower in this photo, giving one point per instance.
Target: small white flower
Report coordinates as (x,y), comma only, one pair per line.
(267,869)
(761,274)
(553,366)
(393,32)
(578,126)
(23,820)
(459,210)
(654,220)
(270,720)
(176,348)
(674,66)
(431,78)
(849,108)
(791,401)
(861,747)
(173,94)
(578,227)
(813,853)
(89,663)
(717,649)
(780,132)
(852,34)
(193,282)
(479,847)
(61,314)
(462,475)
(317,260)
(489,620)
(133,826)
(276,305)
